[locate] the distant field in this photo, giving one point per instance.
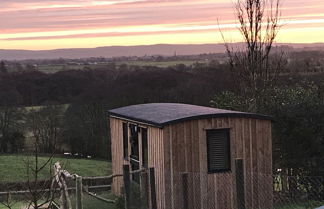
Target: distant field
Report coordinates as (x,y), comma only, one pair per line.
(159,64)
(13,167)
(56,68)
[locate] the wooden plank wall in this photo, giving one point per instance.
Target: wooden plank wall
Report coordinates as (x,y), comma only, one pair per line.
(155,156)
(156,160)
(185,151)
(116,133)
(181,148)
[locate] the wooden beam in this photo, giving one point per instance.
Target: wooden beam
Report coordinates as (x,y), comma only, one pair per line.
(239,174)
(127,186)
(78,192)
(152,189)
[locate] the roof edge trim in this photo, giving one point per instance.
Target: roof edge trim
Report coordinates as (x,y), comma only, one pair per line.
(135,120)
(197,117)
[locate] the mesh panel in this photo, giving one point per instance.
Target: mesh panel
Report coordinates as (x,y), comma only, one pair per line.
(261,191)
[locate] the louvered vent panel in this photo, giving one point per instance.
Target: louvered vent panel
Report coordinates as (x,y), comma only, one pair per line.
(218,150)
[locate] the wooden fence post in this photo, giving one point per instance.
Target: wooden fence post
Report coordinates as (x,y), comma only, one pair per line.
(65,201)
(185,190)
(126,176)
(78,192)
(239,176)
(152,189)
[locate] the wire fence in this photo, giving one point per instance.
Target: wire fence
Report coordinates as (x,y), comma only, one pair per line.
(191,190)
(298,191)
(92,192)
(252,191)
(23,195)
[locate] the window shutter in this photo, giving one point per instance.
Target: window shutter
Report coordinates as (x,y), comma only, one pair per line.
(218,150)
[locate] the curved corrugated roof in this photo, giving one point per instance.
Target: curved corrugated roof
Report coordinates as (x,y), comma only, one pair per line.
(161,114)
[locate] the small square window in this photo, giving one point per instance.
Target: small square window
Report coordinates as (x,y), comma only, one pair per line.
(218,150)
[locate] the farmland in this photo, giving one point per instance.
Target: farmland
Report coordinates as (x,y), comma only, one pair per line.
(53,68)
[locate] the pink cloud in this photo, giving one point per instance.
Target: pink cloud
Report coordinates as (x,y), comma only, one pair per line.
(19,17)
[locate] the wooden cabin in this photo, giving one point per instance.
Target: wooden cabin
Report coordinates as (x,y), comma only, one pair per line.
(201,141)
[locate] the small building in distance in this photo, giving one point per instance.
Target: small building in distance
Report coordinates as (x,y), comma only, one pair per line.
(203,143)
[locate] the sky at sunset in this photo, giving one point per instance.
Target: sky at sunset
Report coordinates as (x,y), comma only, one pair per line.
(51,24)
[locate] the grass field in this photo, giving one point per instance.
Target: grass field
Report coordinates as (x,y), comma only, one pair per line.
(13,167)
(306,205)
(158,64)
(62,67)
(17,205)
(88,202)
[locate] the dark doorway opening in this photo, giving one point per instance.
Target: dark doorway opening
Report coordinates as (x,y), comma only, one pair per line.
(134,157)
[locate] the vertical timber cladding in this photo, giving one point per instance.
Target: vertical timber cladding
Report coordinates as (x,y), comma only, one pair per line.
(185,151)
(116,130)
(156,160)
(155,156)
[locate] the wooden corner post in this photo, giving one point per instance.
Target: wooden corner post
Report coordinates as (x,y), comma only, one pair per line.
(144,189)
(239,177)
(126,179)
(152,189)
(78,192)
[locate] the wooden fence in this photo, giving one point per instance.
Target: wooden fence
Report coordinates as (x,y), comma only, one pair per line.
(64,183)
(147,187)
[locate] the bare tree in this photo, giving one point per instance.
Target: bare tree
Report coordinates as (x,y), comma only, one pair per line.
(40,191)
(254,68)
(86,128)
(45,124)
(3,67)
(10,123)
(11,120)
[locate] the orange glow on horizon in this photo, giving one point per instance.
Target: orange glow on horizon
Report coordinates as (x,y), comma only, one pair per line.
(40,25)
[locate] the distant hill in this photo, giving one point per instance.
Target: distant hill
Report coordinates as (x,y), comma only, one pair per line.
(142,50)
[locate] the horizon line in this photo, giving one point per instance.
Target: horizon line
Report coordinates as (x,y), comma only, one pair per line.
(181,44)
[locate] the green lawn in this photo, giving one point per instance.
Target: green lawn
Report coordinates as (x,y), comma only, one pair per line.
(17,205)
(13,167)
(88,202)
(305,205)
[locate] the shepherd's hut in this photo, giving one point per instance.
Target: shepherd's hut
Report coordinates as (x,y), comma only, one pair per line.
(203,157)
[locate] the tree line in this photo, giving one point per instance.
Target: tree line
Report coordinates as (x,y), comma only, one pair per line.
(31,102)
